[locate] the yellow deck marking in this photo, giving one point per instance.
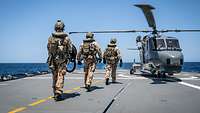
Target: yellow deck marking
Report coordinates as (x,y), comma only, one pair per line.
(18,110)
(37,102)
(68,91)
(43,100)
(50,97)
(76,88)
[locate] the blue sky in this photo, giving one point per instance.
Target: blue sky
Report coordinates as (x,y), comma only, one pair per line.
(26,25)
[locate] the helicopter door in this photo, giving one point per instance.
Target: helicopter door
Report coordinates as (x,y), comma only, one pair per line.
(146,52)
(151,51)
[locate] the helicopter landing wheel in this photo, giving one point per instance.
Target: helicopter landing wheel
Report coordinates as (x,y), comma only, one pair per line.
(132,71)
(164,75)
(158,75)
(170,74)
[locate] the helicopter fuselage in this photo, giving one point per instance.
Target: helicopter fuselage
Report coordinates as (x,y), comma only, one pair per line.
(161,53)
(167,61)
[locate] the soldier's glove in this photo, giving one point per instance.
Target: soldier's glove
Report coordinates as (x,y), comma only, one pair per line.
(99,60)
(104,61)
(120,63)
(79,62)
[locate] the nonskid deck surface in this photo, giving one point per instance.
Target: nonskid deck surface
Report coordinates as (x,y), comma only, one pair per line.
(131,94)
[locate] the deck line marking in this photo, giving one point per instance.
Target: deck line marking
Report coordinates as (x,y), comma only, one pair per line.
(76,88)
(190,85)
(116,96)
(190,78)
(37,102)
(50,97)
(18,110)
(43,100)
(194,77)
(68,91)
(97,78)
(121,75)
(4,84)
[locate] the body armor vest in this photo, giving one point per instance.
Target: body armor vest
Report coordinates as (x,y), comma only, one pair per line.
(111,55)
(89,49)
(58,48)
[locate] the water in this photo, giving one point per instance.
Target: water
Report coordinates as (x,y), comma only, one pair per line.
(191,67)
(34,68)
(22,68)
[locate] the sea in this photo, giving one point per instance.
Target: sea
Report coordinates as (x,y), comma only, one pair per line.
(19,70)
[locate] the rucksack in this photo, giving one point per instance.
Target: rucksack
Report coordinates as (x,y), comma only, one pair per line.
(111,53)
(88,47)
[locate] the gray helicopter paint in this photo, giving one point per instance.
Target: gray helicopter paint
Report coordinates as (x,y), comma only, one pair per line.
(168,60)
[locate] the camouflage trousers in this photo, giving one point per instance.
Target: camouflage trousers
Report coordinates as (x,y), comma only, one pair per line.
(111,71)
(89,69)
(58,79)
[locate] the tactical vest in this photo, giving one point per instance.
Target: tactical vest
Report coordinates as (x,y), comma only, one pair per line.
(111,55)
(89,49)
(58,48)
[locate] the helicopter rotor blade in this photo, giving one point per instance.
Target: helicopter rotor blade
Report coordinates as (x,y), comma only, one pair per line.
(142,31)
(179,30)
(114,31)
(146,8)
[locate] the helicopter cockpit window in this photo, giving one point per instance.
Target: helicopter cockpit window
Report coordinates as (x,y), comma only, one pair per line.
(172,43)
(160,43)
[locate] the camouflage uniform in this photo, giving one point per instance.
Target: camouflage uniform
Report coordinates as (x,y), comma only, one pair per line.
(111,58)
(59,47)
(88,51)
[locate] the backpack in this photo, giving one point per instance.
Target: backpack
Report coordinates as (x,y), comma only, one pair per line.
(57,48)
(88,47)
(111,55)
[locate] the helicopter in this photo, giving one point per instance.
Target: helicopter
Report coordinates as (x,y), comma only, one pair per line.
(159,54)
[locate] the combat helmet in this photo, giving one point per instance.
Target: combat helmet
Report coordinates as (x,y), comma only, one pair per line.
(89,36)
(59,26)
(113,42)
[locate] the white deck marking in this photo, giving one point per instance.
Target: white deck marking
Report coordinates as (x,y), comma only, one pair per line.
(75,78)
(132,77)
(190,78)
(4,84)
(190,85)
(121,75)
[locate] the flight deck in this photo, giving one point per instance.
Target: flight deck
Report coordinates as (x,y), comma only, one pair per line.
(131,94)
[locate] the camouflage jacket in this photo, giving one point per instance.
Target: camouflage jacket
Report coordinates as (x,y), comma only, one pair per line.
(88,51)
(59,46)
(112,55)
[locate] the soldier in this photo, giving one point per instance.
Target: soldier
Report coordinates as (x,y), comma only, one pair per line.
(59,47)
(88,52)
(111,57)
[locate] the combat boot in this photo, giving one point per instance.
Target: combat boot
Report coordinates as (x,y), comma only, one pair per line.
(88,88)
(114,81)
(107,81)
(58,97)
